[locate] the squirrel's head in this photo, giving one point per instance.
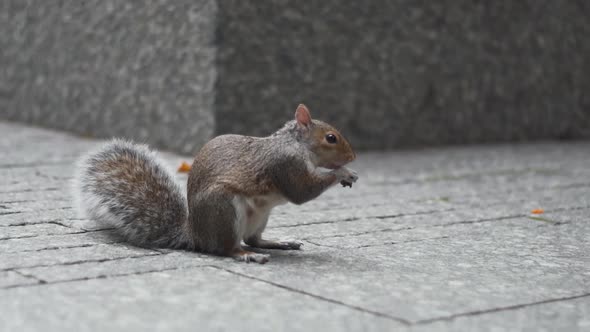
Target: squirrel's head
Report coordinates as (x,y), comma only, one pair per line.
(330,148)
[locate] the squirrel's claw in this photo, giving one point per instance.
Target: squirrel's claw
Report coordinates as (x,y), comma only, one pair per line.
(347,176)
(346,183)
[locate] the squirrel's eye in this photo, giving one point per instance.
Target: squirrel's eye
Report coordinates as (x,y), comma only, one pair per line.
(331,138)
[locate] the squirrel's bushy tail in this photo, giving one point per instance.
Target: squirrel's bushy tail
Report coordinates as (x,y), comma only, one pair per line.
(126,186)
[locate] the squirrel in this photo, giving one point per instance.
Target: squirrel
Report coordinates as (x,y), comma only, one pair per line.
(234,183)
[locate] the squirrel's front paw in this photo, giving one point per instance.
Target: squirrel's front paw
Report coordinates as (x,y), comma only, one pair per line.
(346,176)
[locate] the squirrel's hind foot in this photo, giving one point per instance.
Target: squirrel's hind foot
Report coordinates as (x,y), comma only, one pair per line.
(248,256)
(281,245)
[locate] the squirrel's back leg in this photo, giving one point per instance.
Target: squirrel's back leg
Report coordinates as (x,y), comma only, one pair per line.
(254,238)
(217,223)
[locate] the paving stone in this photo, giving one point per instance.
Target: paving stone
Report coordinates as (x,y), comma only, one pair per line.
(35,230)
(450,192)
(371,227)
(49,185)
(410,233)
(204,298)
(476,267)
(45,242)
(30,195)
(12,279)
(85,224)
(92,270)
(565,315)
(37,217)
(443,185)
(327,216)
(42,172)
(8,207)
(430,162)
(25,160)
(442,239)
(98,252)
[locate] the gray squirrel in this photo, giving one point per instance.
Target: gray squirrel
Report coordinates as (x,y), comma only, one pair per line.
(233,184)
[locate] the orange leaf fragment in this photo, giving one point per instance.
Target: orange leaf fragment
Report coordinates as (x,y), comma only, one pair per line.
(184,167)
(538,211)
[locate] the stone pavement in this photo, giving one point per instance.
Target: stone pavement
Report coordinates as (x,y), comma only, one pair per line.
(427,240)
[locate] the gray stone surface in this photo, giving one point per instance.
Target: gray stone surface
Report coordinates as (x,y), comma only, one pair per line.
(16,218)
(438,239)
(29,231)
(12,279)
(120,267)
(69,255)
(389,73)
(223,301)
(421,275)
(50,242)
(567,315)
(399,73)
(108,68)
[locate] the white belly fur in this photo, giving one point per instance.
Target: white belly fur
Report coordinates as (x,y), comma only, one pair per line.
(252,213)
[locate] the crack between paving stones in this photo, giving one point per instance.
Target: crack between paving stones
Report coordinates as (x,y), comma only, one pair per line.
(30,276)
(44,200)
(105,276)
(476,221)
(290,289)
(514,216)
(56,222)
(53,221)
(38,210)
(499,309)
(466,176)
(32,165)
(401,242)
(85,245)
(98,277)
(362,218)
(9,213)
(14,202)
(315,296)
(30,190)
(377,245)
(385,230)
(454,198)
(82,231)
(82,261)
(78,231)
(370,205)
(32,236)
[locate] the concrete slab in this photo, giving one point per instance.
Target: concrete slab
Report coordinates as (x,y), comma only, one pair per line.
(205,298)
(433,273)
(426,240)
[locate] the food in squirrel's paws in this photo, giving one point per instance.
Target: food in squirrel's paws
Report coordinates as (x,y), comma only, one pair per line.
(346,184)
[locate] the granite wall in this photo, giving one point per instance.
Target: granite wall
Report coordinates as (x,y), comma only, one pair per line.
(111,68)
(396,73)
(389,73)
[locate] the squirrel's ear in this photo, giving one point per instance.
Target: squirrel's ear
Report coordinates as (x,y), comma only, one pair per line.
(302,116)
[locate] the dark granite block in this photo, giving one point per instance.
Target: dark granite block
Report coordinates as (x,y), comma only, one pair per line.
(406,73)
(389,73)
